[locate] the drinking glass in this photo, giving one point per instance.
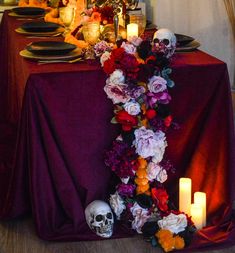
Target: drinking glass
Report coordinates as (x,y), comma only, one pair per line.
(139,19)
(66,15)
(91,32)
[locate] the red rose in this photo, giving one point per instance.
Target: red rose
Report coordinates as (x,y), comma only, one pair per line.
(150,60)
(109,66)
(126,120)
(150,113)
(167,121)
(160,198)
(117,53)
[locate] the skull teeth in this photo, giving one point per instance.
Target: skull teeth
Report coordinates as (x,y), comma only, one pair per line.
(105,231)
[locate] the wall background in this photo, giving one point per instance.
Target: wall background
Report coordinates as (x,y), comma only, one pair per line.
(205,20)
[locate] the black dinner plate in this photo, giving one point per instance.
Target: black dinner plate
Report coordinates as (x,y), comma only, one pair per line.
(182,39)
(39,26)
(50,47)
(28,11)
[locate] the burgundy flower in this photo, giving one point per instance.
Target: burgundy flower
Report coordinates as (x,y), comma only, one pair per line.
(126,190)
(122,159)
(146,71)
(129,65)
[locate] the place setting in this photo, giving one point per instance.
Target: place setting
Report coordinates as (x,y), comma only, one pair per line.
(27,12)
(40,29)
(52,52)
(186,43)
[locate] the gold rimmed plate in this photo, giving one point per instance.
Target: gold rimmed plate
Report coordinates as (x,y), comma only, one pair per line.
(27,33)
(189,47)
(39,26)
(69,56)
(28,11)
(50,47)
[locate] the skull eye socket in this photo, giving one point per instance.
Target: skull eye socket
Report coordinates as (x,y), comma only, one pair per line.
(99,218)
(166,42)
(109,216)
(156,41)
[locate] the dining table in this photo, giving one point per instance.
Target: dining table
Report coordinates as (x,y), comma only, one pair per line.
(55,130)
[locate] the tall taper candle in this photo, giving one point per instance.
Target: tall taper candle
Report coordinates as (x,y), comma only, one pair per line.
(200,199)
(185,189)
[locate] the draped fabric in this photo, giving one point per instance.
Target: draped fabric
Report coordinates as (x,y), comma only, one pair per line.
(205,20)
(55,127)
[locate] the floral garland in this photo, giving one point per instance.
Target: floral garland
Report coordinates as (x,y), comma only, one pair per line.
(138,81)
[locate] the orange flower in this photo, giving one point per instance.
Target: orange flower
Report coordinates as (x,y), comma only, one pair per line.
(164,234)
(179,242)
(142,163)
(144,123)
(141,173)
(166,239)
(143,108)
(141,181)
(168,245)
(142,188)
(95,16)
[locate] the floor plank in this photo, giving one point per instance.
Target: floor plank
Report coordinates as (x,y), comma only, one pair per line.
(20,237)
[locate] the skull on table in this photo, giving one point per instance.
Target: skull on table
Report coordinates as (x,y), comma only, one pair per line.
(164,41)
(99,218)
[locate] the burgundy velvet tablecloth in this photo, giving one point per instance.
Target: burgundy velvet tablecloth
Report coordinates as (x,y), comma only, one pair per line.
(55,127)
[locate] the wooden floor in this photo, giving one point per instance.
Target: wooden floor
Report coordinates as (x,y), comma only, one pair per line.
(20,237)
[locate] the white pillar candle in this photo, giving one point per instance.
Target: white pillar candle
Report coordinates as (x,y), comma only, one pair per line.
(200,199)
(197,215)
(132,30)
(185,189)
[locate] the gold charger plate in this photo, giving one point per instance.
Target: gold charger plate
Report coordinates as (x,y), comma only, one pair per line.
(189,47)
(70,56)
(22,31)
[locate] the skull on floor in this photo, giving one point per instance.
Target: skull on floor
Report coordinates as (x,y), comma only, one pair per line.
(99,218)
(164,41)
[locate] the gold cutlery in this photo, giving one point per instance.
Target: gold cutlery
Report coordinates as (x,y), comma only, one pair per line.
(44,36)
(40,62)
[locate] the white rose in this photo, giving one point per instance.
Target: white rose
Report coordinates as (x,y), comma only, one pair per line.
(157,84)
(116,92)
(117,204)
(153,170)
(136,41)
(162,144)
(149,143)
(140,217)
(132,107)
(174,223)
(129,48)
(104,57)
(162,176)
(117,77)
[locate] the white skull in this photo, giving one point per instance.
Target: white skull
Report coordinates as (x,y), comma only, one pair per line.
(166,38)
(99,218)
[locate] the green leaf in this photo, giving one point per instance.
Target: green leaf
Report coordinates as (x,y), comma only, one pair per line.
(114,121)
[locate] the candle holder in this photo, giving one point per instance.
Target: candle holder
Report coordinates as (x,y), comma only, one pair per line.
(119,7)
